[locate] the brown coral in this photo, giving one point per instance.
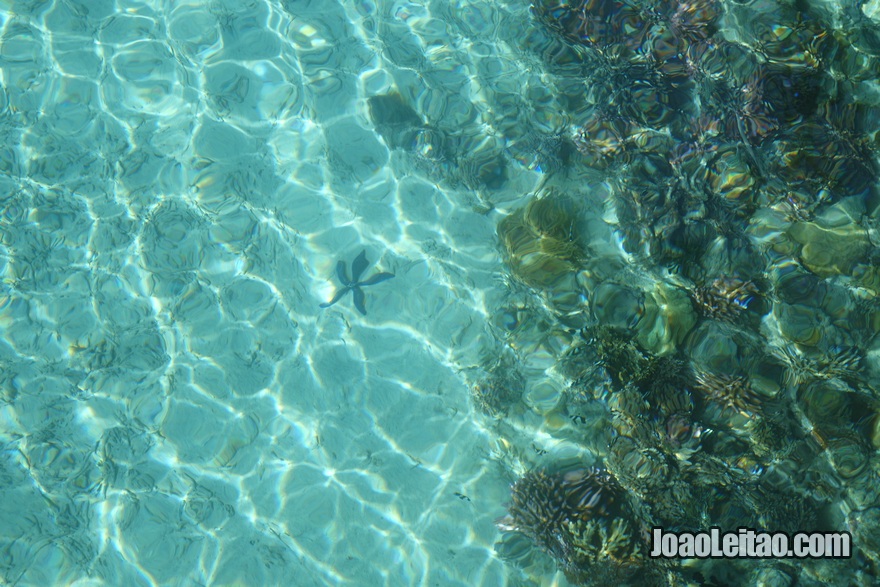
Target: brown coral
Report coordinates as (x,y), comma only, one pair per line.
(543,504)
(731,392)
(726,298)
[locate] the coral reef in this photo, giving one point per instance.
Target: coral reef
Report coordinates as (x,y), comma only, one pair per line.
(731,342)
(580,519)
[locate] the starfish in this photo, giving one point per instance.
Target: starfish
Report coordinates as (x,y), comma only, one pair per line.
(358,266)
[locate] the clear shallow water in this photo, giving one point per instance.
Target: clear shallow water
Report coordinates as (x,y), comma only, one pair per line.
(179,180)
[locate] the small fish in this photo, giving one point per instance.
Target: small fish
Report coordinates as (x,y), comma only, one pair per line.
(358,266)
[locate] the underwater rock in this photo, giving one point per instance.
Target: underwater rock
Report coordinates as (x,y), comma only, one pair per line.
(485,167)
(544,248)
(865,527)
(830,250)
(828,405)
(667,224)
(730,176)
(602,140)
(681,435)
(790,94)
(696,20)
(431,148)
(541,152)
(650,98)
(601,24)
(817,158)
(617,306)
(849,454)
(668,317)
(396,121)
(540,240)
(721,347)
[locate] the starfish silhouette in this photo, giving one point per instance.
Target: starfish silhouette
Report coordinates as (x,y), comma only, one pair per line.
(358,266)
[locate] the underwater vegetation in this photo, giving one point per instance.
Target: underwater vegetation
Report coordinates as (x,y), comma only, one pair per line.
(501,387)
(726,298)
(730,342)
(579,518)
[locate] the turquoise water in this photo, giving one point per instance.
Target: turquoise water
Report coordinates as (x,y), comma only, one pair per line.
(183,184)
(179,180)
